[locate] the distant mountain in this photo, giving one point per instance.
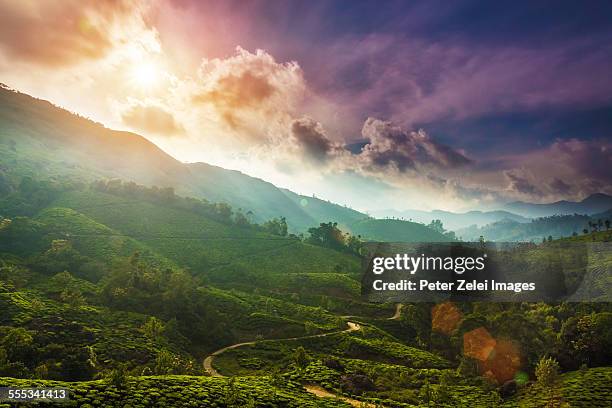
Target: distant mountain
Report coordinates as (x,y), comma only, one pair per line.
(509,231)
(453,221)
(43,141)
(555,226)
(595,203)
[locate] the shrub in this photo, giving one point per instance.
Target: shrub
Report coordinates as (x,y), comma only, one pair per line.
(119,376)
(547,371)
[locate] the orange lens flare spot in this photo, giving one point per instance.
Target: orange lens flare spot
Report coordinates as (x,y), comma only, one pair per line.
(504,361)
(478,344)
(445,318)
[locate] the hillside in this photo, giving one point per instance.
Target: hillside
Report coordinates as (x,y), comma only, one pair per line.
(124,290)
(595,203)
(39,138)
(556,226)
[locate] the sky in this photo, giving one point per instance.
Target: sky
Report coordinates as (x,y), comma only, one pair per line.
(377,105)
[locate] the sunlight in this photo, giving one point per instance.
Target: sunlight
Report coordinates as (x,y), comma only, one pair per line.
(145,75)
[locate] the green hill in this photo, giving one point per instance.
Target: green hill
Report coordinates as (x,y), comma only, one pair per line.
(387,230)
(37,137)
(202,244)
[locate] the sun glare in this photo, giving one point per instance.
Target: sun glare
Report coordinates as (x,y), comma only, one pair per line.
(145,75)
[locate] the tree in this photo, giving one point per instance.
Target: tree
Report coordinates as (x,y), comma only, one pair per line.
(72,296)
(119,376)
(425,393)
(232,398)
(18,344)
(607,222)
(153,328)
(300,358)
(437,226)
(442,393)
(276,226)
(327,235)
(240,219)
(547,371)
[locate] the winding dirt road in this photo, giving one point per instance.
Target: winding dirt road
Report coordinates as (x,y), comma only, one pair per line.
(208,360)
(313,389)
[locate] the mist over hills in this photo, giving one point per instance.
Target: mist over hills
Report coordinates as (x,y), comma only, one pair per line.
(595,203)
(452,220)
(517,221)
(43,140)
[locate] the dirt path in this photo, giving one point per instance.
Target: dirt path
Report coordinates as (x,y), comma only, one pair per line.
(323,393)
(398,312)
(313,389)
(209,359)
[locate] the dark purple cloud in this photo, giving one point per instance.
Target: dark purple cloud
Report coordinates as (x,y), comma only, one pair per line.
(520,184)
(390,145)
(311,138)
(413,81)
(559,186)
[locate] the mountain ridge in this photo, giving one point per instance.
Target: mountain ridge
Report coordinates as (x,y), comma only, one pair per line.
(592,204)
(38,138)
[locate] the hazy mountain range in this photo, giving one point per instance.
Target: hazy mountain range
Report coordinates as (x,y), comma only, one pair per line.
(43,140)
(595,203)
(517,212)
(451,220)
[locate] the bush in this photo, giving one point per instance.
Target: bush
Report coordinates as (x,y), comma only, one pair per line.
(119,376)
(547,371)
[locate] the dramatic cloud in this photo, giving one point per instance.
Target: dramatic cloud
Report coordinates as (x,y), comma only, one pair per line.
(565,169)
(417,82)
(152,119)
(250,90)
(59,33)
(558,186)
(520,184)
(311,138)
(167,69)
(590,159)
(390,145)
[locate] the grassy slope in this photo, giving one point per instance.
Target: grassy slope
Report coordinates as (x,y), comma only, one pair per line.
(114,335)
(204,244)
(94,239)
(38,138)
(588,388)
(180,391)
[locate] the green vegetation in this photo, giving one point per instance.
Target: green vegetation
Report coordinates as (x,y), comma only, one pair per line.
(584,388)
(180,391)
(118,290)
(543,228)
(397,231)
